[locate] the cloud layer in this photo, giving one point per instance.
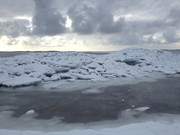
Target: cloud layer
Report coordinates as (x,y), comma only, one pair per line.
(134,21)
(131,21)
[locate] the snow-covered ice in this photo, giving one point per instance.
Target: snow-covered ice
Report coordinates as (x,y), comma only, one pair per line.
(147,128)
(34,68)
(163,124)
(19,82)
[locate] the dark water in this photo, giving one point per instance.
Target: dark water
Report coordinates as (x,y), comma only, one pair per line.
(162,96)
(16,53)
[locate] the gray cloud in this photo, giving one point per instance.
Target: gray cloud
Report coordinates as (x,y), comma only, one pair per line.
(47,21)
(173,17)
(150,18)
(84,18)
(98,16)
(14,28)
(90,16)
(170,34)
(16,7)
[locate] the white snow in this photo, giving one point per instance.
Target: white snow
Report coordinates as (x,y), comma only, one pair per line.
(30,112)
(147,128)
(156,124)
(30,69)
(142,109)
(20,81)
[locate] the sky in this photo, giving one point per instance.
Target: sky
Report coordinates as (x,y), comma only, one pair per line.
(127,22)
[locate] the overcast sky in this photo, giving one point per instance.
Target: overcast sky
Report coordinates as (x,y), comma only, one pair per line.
(145,6)
(131,21)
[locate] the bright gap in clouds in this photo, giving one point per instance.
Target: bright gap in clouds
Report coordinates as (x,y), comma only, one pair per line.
(29,18)
(72,42)
(65,42)
(68,23)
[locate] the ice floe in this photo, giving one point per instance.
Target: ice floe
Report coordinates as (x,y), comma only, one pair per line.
(35,68)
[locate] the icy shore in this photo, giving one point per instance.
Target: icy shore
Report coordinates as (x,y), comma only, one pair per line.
(36,68)
(147,128)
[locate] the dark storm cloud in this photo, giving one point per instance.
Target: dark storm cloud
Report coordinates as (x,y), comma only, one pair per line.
(47,21)
(91,16)
(84,17)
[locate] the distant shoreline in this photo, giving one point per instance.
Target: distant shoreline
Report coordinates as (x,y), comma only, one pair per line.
(15,53)
(11,54)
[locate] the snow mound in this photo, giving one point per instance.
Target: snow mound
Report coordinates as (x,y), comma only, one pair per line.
(20,81)
(34,68)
